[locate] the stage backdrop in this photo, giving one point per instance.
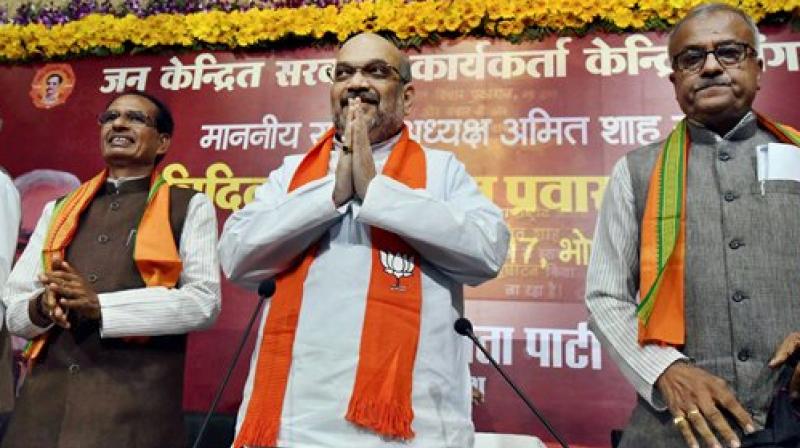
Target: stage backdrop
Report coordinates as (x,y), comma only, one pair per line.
(539,125)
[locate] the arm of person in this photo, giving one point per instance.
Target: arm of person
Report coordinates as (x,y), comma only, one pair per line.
(23,286)
(9,225)
(193,304)
(786,349)
(463,234)
(694,397)
(612,281)
(263,238)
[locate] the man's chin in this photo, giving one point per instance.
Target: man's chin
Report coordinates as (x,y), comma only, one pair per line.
(118,150)
(121,154)
(713,105)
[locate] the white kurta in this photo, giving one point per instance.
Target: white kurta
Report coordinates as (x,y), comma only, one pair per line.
(10,215)
(461,237)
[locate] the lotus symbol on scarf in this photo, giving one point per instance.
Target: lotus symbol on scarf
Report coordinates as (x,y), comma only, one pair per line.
(398,265)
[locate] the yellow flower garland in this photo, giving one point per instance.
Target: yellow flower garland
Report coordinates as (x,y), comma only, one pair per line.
(413,20)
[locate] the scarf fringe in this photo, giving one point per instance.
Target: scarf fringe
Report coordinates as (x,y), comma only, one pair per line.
(257,435)
(386,419)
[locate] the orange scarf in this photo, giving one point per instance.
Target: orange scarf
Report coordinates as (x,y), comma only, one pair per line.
(381,396)
(154,253)
(663,249)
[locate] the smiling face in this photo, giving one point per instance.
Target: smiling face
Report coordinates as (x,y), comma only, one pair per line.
(715,95)
(368,67)
(128,136)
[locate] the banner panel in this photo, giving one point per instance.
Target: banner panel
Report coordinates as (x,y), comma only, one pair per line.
(539,125)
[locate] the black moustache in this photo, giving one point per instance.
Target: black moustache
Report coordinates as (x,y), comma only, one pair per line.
(365,96)
(712,83)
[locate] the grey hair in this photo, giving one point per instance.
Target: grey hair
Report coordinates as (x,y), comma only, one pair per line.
(405,68)
(709,8)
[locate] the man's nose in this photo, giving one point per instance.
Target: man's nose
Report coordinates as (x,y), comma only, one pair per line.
(358,80)
(711,66)
(119,123)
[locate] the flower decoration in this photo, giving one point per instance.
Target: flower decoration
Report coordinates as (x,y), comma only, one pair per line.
(57,29)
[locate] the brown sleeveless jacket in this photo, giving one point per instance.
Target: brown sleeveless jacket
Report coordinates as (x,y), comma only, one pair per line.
(89,392)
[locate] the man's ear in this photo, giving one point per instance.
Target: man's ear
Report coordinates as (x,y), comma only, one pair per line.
(408,98)
(760,63)
(164,142)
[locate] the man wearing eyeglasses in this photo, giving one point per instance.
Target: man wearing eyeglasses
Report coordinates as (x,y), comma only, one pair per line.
(713,258)
(370,238)
(113,277)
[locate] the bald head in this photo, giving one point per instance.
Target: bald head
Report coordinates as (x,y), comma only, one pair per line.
(375,45)
(371,69)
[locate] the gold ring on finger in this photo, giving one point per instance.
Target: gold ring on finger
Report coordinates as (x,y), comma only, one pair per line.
(693,412)
(678,420)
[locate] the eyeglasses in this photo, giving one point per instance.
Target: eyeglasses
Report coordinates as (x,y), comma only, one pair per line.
(377,70)
(728,54)
(132,117)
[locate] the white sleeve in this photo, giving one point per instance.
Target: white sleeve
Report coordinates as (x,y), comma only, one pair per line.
(23,284)
(9,225)
(463,233)
(612,283)
(193,304)
(261,239)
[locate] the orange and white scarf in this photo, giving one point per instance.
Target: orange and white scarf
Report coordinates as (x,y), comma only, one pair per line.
(155,253)
(381,396)
(663,248)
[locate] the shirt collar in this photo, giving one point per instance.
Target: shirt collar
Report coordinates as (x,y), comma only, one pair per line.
(127,184)
(744,129)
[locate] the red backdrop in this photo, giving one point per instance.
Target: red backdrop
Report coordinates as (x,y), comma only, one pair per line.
(539,124)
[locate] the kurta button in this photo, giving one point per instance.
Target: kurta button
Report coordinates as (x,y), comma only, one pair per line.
(102,238)
(724,156)
(74,368)
(92,278)
(729,196)
(743,355)
(114,205)
(735,244)
(738,296)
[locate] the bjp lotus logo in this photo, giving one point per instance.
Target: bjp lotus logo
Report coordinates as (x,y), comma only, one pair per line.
(397,265)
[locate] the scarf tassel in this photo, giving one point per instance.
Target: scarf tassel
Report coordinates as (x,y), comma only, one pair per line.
(387,419)
(265,435)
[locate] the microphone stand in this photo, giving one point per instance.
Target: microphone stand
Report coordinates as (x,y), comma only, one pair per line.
(265,290)
(464,327)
